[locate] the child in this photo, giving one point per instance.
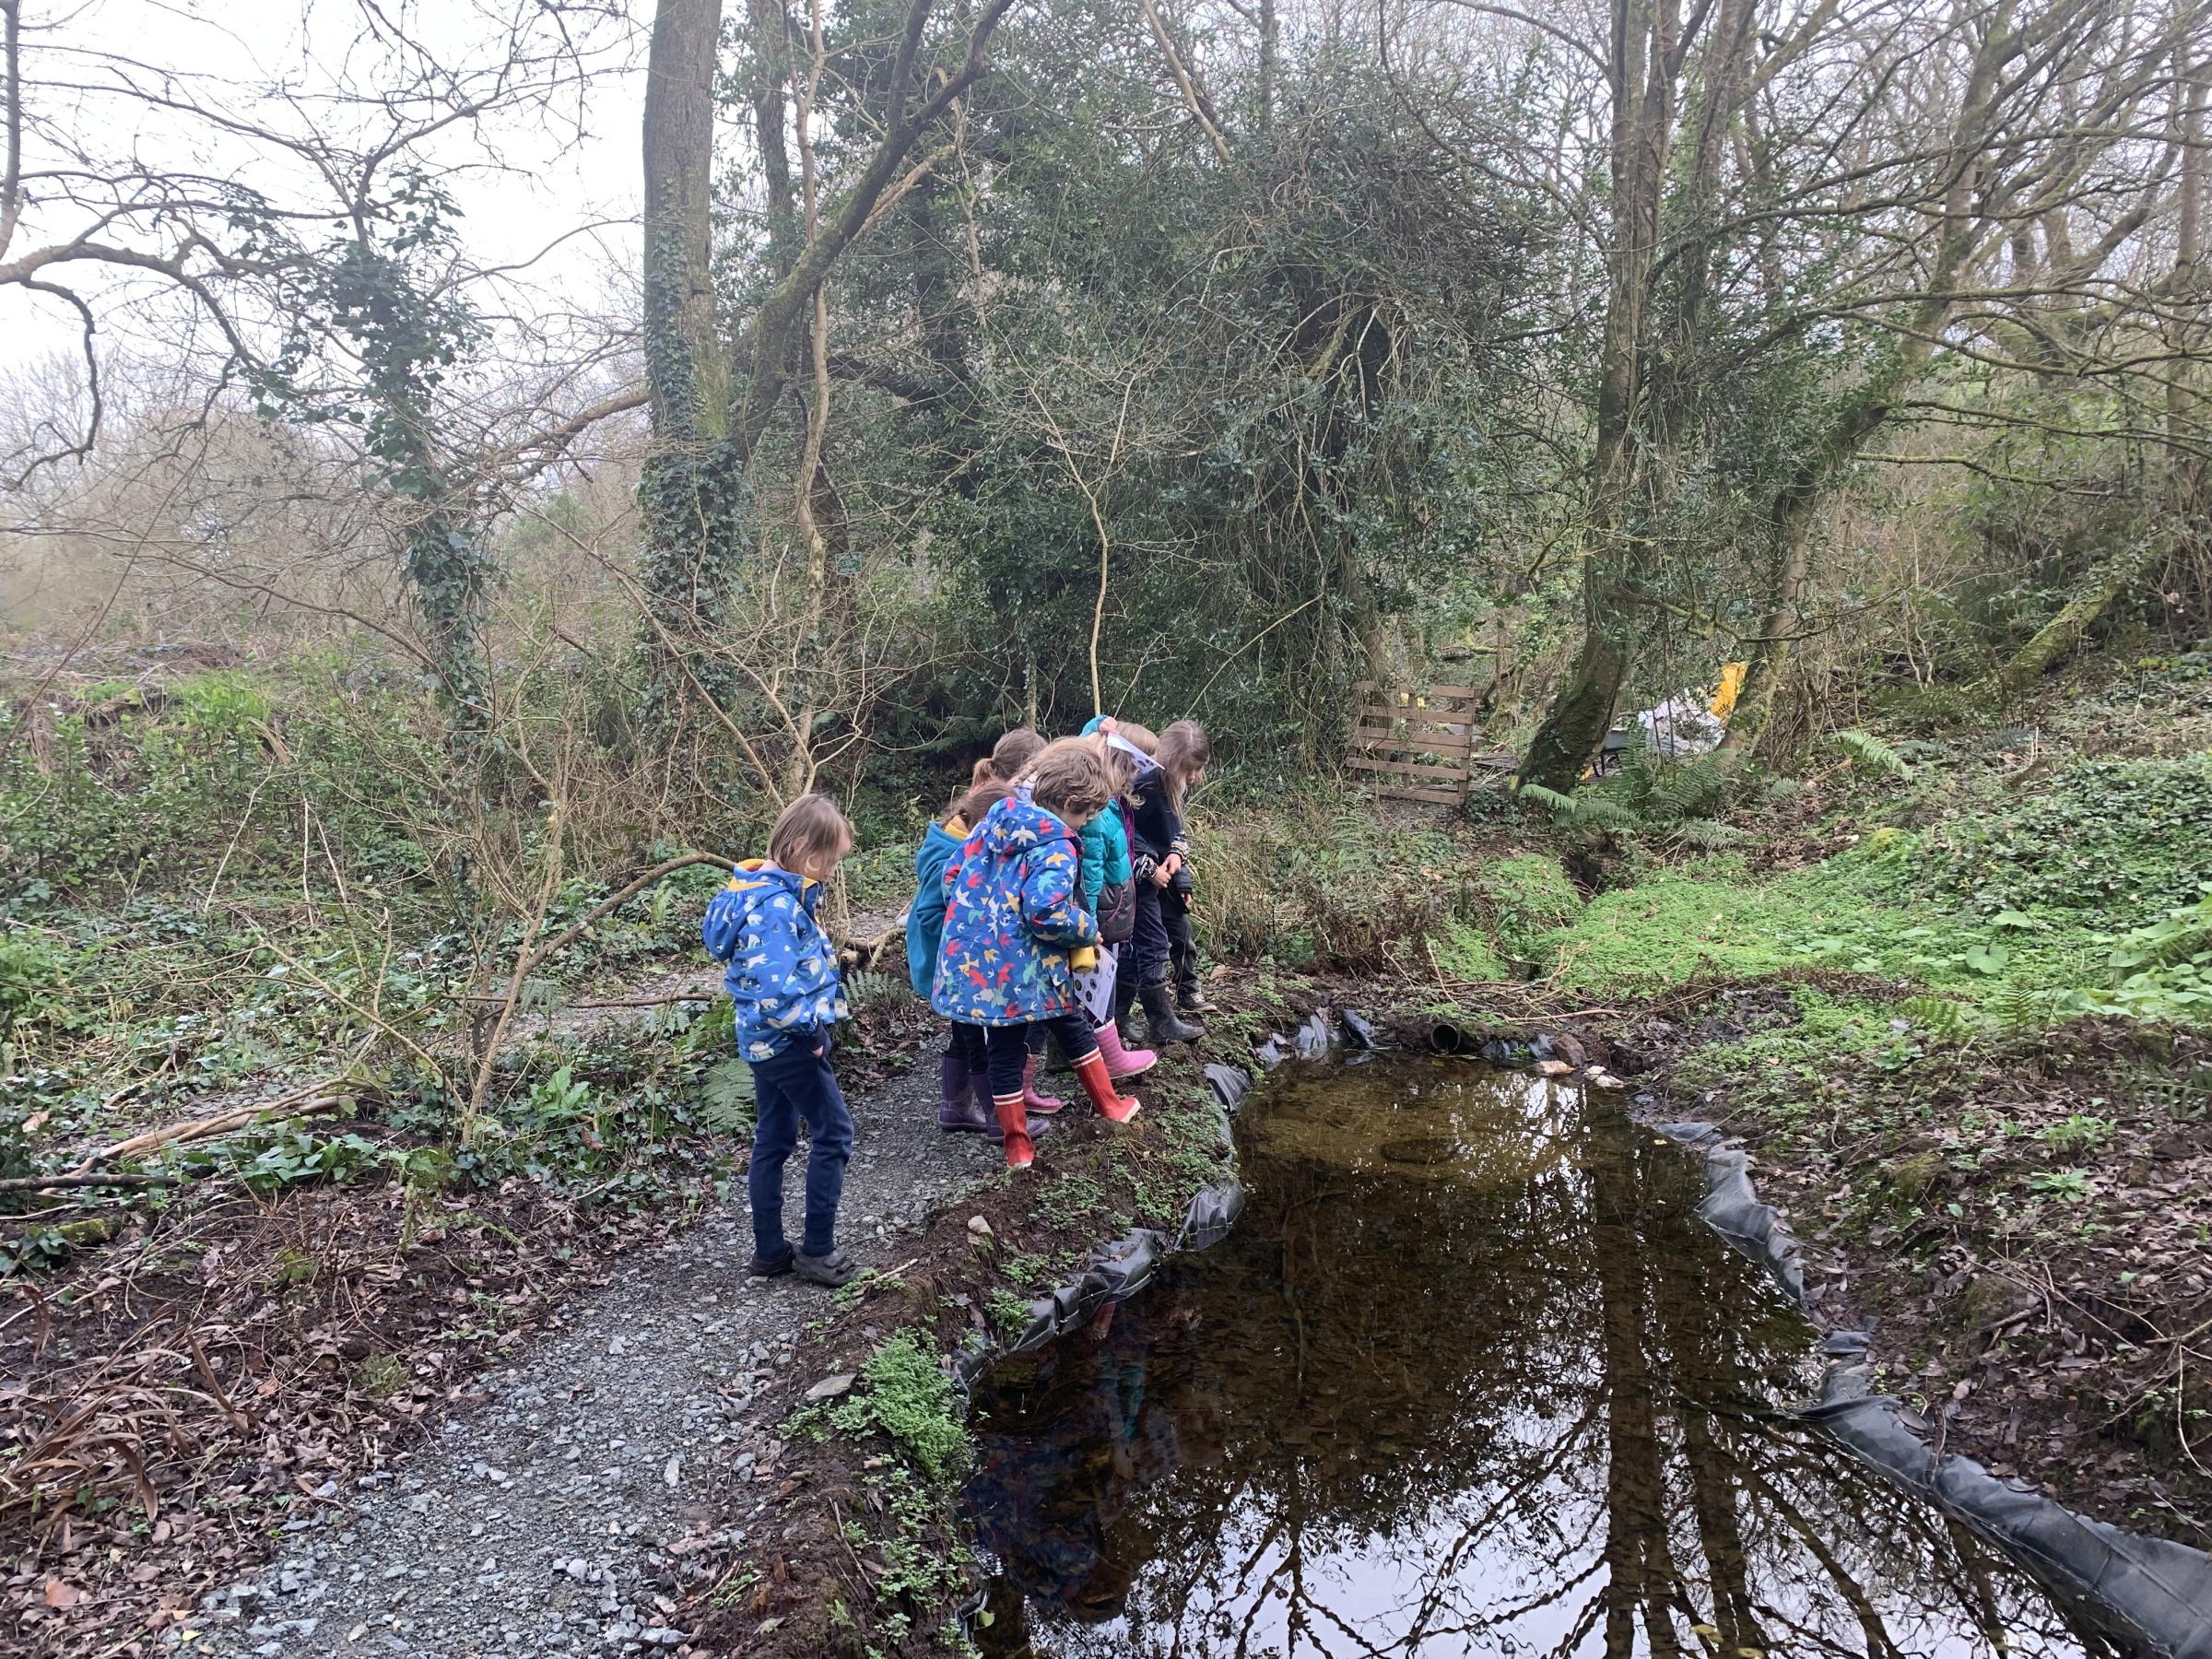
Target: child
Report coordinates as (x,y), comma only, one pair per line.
(1182,885)
(1009,757)
(783,982)
(1012,915)
(1182,753)
(1109,894)
(964,1079)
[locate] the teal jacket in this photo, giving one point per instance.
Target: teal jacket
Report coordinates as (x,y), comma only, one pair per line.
(1105,844)
(926,916)
(1105,853)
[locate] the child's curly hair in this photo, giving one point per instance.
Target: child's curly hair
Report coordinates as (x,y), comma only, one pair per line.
(1069,779)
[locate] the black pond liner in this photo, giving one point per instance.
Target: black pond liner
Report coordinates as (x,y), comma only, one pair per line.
(2151,1593)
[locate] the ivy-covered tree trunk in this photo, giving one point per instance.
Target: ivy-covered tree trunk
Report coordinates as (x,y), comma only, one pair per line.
(691,494)
(1574,727)
(449,575)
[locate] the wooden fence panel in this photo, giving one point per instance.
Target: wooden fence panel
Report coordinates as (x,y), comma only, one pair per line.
(1417,745)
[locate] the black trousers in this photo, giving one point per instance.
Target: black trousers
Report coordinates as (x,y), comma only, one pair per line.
(1008,1047)
(1148,956)
(1182,943)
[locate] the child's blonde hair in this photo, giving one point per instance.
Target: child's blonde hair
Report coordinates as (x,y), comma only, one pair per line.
(1139,734)
(1120,765)
(1182,753)
(810,828)
(1069,779)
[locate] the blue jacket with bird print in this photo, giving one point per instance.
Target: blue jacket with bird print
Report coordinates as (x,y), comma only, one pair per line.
(781,968)
(1012,913)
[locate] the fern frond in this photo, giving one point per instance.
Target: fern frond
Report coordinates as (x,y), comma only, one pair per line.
(1942,1018)
(1561,807)
(1707,833)
(1602,812)
(1871,754)
(725,1097)
(2015,1008)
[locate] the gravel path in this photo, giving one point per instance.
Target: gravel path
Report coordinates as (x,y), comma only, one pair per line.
(541,1521)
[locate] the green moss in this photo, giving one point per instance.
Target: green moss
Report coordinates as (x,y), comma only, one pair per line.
(1911,1179)
(1712,917)
(1463,951)
(1531,900)
(911,1400)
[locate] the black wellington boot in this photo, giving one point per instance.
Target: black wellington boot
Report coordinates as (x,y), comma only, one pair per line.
(1161,1019)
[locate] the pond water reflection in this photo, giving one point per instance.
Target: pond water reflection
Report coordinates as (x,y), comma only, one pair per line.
(1468,1378)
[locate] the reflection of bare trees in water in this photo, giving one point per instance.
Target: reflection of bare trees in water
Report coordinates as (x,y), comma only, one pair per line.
(1494,1403)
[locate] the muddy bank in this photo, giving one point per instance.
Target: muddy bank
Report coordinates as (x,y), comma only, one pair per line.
(2023,1225)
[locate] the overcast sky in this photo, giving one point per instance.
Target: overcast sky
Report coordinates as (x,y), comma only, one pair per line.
(231,49)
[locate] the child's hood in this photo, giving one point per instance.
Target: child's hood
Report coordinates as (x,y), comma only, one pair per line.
(753,886)
(1016,826)
(755,878)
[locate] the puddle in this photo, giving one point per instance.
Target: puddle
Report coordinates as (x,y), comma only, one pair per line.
(1469,1377)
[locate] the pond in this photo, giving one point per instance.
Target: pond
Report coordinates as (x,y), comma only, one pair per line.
(1469,1377)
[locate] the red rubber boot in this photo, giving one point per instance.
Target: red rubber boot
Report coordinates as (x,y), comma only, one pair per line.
(1014,1125)
(1099,1085)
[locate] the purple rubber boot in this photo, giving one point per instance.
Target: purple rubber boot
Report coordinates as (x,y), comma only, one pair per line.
(958,1112)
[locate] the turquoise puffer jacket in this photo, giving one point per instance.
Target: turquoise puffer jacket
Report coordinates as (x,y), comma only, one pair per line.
(1105,853)
(926,915)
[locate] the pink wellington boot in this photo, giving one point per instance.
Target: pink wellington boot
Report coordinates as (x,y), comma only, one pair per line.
(1122,1062)
(1044,1105)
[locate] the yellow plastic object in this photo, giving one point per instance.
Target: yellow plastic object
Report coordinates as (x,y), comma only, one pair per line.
(1083,959)
(1730,689)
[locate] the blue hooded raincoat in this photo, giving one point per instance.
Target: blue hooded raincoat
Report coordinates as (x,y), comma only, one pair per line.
(1012,914)
(926,916)
(781,968)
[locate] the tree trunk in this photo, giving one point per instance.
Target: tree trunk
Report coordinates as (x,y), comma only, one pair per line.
(2058,639)
(691,489)
(1789,547)
(1573,729)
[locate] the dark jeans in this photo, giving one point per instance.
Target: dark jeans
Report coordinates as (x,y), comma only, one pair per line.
(1183,945)
(797,1084)
(966,1045)
(1009,1047)
(1149,946)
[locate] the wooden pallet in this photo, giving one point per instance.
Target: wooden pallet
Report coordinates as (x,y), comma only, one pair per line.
(1417,744)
